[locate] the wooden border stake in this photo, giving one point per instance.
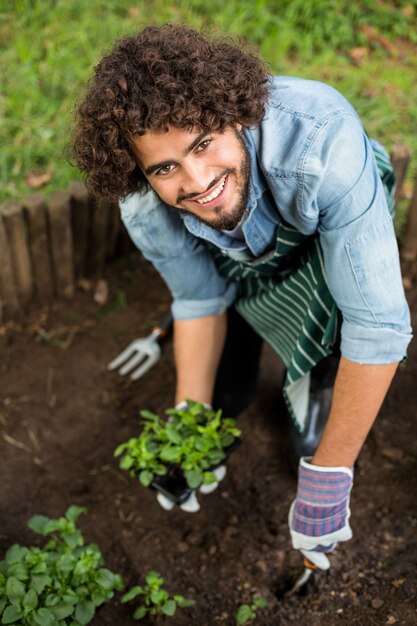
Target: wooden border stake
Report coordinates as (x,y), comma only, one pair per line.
(115,225)
(35,206)
(98,237)
(59,212)
(13,218)
(409,249)
(81,217)
(400,158)
(9,297)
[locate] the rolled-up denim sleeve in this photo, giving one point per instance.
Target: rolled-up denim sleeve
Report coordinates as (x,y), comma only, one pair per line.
(360,249)
(184,263)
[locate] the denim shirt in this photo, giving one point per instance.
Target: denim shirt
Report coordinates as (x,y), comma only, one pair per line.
(313,166)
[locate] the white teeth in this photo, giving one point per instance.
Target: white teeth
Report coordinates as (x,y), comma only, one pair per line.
(214,193)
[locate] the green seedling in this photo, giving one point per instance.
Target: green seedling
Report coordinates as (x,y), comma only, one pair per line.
(248,612)
(194,439)
(60,584)
(153,599)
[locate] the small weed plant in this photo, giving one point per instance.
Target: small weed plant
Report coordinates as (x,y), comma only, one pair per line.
(153,599)
(248,612)
(194,439)
(60,584)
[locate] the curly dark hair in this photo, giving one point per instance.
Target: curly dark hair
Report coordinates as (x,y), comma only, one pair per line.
(168,75)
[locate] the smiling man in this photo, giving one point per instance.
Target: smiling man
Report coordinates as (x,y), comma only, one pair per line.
(267,210)
(216,163)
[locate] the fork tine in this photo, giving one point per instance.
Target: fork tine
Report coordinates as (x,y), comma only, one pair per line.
(132,363)
(123,356)
(145,366)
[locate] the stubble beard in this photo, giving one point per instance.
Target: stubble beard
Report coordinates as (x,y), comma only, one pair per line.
(235,215)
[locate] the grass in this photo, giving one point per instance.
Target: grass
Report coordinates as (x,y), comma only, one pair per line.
(48,49)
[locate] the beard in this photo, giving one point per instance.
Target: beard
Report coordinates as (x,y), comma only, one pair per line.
(234,216)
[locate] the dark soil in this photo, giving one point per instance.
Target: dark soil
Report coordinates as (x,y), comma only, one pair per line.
(62,415)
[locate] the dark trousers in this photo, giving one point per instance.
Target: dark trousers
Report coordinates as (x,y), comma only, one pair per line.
(237,375)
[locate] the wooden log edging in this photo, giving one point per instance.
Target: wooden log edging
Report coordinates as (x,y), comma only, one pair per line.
(48,244)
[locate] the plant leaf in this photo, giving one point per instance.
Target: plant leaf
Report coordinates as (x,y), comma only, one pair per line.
(184,602)
(60,524)
(132,593)
(145,478)
(151,416)
(126,462)
(52,599)
(154,578)
(106,579)
(15,590)
(40,581)
(37,523)
(30,600)
(44,617)
(169,608)
(11,615)
(158,596)
(74,539)
(172,434)
(62,610)
(100,598)
(65,564)
(84,611)
(209,478)
(19,570)
(194,478)
(227,440)
(260,603)
(70,598)
(74,511)
(120,448)
(140,612)
(244,614)
(171,453)
(15,554)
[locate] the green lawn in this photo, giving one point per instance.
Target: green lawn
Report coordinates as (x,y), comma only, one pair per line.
(48,49)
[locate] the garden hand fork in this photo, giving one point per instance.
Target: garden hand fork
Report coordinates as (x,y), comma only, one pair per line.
(142,354)
(303,579)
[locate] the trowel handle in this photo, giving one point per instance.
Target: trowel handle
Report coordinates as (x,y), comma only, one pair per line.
(165,326)
(309,565)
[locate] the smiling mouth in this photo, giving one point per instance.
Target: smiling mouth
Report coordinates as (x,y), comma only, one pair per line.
(215,194)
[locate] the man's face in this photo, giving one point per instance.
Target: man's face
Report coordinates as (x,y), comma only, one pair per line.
(199,172)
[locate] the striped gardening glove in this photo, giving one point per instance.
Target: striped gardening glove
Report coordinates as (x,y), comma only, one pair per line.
(319,515)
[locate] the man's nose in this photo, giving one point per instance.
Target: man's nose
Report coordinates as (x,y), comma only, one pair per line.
(196,178)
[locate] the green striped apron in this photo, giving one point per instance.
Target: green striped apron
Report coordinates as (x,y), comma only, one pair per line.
(285,297)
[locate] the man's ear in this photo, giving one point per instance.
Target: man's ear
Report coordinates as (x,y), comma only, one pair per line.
(239,127)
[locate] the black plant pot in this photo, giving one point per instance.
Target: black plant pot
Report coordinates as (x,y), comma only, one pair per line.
(173,484)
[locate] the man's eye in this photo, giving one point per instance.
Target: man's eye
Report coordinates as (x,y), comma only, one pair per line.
(203,145)
(165,170)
